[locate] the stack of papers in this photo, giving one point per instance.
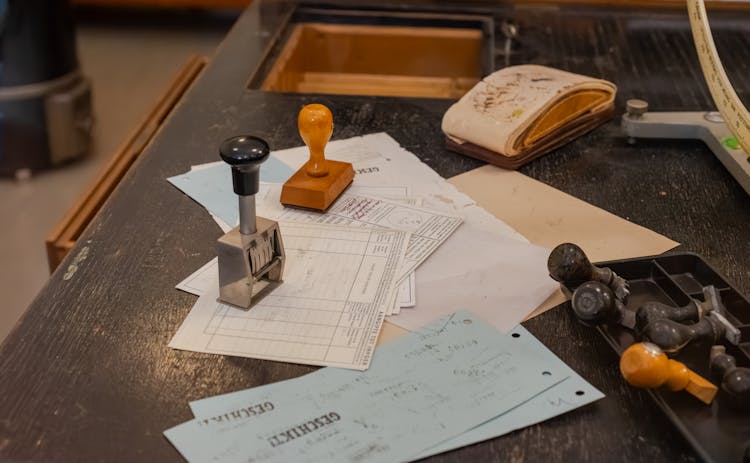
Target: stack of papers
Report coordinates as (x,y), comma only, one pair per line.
(452,383)
(338,284)
(457,256)
(400,243)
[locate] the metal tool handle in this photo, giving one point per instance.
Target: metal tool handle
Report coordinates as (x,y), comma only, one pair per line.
(569,265)
(735,381)
(594,303)
(245,154)
(645,365)
(315,124)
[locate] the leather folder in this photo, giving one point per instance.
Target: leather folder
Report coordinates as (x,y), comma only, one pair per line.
(522,112)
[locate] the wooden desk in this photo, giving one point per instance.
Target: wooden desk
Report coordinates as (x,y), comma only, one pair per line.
(87,374)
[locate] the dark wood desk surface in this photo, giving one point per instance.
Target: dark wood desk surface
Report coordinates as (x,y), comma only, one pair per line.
(87,374)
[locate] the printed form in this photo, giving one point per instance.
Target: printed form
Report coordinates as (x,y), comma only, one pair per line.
(429,229)
(407,290)
(206,277)
(422,389)
(338,285)
(208,185)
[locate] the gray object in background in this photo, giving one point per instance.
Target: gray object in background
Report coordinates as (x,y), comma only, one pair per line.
(45,101)
(708,126)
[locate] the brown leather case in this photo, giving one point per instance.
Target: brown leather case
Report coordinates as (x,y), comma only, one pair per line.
(562,124)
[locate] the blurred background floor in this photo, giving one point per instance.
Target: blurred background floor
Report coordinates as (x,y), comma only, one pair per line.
(130,57)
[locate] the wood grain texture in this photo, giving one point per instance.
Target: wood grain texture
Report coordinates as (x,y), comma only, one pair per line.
(377,60)
(87,374)
(724,4)
(166,3)
(306,191)
(62,238)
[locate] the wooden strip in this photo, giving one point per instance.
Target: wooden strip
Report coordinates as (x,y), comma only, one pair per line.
(283,76)
(719,4)
(63,236)
(167,3)
(374,84)
(396,31)
(377,60)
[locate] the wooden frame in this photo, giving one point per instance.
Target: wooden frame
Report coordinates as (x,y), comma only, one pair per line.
(64,235)
(378,60)
(167,3)
(720,4)
(723,4)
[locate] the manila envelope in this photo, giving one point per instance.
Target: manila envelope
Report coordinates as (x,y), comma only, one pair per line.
(547,217)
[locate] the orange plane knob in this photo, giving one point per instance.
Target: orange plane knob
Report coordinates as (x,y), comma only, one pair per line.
(645,365)
(318,183)
(315,125)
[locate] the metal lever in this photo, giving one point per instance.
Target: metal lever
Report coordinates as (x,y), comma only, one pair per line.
(251,256)
(708,126)
(673,336)
(692,312)
(662,324)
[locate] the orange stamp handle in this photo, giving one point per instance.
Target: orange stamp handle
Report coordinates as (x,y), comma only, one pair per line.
(645,365)
(315,124)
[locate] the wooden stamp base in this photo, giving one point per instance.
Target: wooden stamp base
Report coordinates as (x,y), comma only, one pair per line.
(303,190)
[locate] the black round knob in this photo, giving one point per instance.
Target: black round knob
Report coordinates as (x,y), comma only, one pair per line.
(568,264)
(594,303)
(735,381)
(244,150)
(245,154)
(672,336)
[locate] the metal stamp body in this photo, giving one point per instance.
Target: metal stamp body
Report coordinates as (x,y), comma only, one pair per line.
(251,255)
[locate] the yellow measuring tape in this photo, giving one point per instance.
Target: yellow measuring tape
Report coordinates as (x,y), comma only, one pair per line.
(731,108)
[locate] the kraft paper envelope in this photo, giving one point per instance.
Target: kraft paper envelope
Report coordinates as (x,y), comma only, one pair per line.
(547,217)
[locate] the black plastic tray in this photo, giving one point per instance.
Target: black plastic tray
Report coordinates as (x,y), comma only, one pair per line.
(718,432)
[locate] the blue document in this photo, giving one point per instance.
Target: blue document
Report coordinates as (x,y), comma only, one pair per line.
(421,390)
(211,186)
(569,394)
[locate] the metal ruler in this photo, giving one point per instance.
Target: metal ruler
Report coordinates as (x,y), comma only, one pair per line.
(731,108)
(727,132)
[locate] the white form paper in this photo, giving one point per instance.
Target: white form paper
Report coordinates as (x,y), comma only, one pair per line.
(205,278)
(407,291)
(202,280)
(338,285)
(379,161)
(429,229)
(208,185)
(460,274)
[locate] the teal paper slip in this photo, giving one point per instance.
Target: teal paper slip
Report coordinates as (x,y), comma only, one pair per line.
(421,390)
